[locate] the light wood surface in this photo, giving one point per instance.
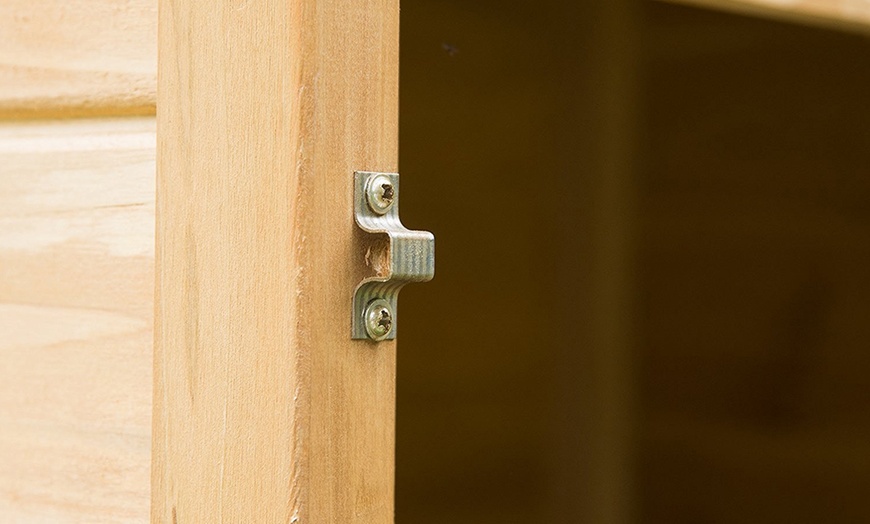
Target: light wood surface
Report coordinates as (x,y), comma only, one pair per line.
(265,410)
(852,15)
(77,57)
(76,270)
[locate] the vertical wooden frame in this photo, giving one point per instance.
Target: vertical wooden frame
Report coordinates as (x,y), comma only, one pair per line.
(264,409)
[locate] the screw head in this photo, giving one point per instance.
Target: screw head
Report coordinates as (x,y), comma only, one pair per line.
(378,318)
(380,193)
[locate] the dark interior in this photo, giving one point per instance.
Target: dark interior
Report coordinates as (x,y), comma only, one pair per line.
(652,300)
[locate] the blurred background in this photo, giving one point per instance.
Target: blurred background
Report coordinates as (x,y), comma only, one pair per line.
(653,293)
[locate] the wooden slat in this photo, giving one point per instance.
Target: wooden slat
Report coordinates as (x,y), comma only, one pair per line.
(76,270)
(851,15)
(77,57)
(265,410)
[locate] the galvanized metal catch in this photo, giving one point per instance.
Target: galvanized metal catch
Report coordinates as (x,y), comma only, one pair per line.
(411,255)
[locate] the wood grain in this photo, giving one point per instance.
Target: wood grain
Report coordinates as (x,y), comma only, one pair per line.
(265,410)
(853,15)
(76,269)
(77,57)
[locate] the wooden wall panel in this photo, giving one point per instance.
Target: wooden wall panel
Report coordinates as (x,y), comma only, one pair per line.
(77,57)
(76,298)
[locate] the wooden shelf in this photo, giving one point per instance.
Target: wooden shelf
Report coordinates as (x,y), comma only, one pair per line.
(851,15)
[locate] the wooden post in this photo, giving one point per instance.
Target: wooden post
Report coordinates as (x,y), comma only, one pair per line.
(264,409)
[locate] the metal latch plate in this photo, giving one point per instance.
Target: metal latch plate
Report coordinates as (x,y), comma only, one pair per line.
(411,255)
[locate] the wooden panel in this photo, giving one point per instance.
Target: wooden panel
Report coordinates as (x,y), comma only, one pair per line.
(853,15)
(265,410)
(76,281)
(77,57)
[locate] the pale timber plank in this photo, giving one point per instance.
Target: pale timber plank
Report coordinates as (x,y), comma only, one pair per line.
(76,295)
(77,57)
(265,410)
(852,15)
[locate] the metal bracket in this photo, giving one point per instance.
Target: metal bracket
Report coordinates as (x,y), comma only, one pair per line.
(411,255)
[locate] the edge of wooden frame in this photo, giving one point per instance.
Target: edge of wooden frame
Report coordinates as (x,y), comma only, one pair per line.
(264,409)
(849,15)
